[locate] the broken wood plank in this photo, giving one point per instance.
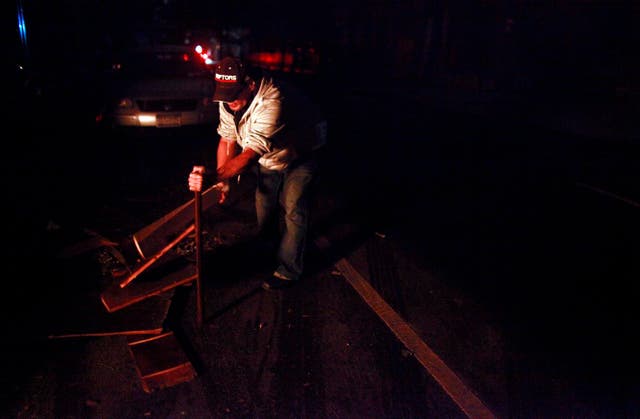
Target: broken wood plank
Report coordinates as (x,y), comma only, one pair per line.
(144,265)
(88,318)
(150,239)
(462,395)
(160,362)
(115,298)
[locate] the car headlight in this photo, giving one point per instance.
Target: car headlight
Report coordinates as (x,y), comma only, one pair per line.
(125,103)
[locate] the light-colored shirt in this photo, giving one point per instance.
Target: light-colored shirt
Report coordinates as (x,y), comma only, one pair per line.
(280,124)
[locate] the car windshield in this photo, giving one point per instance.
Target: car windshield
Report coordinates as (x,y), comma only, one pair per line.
(164,63)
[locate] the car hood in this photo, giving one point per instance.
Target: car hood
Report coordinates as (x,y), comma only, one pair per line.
(173,88)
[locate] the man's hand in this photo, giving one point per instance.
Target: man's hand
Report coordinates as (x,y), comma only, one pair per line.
(196,178)
(223,187)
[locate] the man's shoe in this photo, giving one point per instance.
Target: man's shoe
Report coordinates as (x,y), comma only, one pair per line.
(275,283)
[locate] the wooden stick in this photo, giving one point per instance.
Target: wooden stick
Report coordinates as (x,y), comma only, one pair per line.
(157,256)
(198,226)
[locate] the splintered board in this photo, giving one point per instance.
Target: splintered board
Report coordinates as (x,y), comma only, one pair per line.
(151,239)
(160,361)
(154,237)
(89,318)
(115,298)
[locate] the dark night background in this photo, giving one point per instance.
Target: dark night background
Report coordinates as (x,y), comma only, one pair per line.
(582,49)
(469,116)
(568,66)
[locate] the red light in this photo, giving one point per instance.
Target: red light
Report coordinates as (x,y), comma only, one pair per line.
(274,60)
(185,57)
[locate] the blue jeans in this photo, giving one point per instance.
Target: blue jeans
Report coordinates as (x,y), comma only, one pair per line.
(289,190)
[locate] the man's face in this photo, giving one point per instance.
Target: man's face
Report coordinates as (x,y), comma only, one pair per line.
(241,100)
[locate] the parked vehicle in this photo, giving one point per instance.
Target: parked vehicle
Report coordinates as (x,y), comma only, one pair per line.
(159,86)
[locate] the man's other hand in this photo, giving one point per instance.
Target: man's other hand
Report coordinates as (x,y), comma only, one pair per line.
(223,187)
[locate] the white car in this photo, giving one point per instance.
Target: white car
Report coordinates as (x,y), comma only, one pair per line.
(162,87)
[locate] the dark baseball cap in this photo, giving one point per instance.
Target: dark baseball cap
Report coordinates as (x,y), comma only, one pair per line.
(230,77)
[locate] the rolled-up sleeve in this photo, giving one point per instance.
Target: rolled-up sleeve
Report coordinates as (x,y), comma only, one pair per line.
(226,126)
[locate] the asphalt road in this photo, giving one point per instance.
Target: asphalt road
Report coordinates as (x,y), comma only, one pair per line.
(508,249)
